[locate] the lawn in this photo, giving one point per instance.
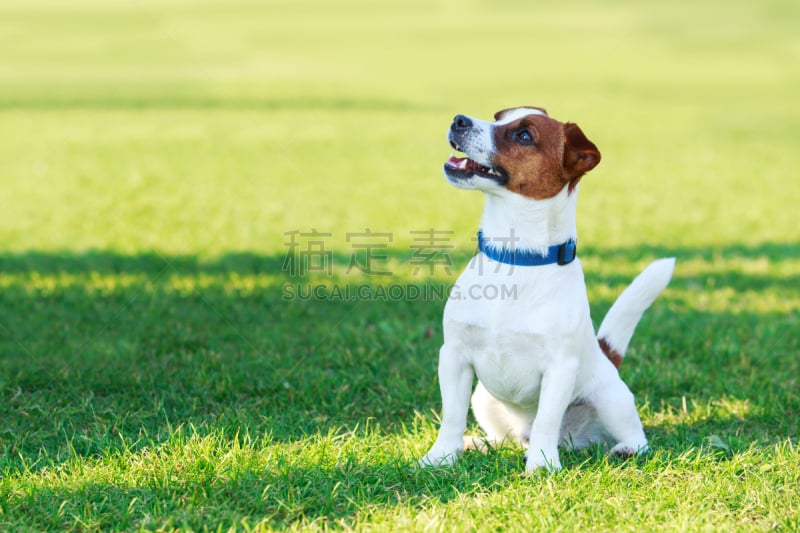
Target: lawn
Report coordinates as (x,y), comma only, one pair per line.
(225,236)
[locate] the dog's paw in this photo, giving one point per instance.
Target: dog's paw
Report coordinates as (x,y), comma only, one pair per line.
(436,460)
(437,457)
(629,449)
(541,463)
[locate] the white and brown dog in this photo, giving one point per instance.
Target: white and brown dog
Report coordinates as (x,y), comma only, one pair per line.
(544,378)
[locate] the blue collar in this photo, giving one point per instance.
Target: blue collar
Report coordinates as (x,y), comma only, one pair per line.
(562,254)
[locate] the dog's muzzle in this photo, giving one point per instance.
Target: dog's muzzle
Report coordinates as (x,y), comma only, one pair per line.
(458,130)
(462,138)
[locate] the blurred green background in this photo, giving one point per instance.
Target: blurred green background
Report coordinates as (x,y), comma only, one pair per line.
(204,127)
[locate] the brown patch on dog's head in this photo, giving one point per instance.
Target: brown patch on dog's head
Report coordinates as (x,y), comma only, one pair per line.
(614,356)
(540,155)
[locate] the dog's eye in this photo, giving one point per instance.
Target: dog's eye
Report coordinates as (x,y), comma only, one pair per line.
(525,137)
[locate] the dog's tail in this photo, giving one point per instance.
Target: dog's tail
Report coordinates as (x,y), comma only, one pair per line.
(617,327)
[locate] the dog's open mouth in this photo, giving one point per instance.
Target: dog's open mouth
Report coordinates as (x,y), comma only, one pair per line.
(464,167)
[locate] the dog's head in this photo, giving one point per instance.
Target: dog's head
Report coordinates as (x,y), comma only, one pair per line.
(523,151)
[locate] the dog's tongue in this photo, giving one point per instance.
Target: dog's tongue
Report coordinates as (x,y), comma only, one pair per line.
(467,164)
(463,163)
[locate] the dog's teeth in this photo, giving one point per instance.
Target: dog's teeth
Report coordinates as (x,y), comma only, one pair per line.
(462,164)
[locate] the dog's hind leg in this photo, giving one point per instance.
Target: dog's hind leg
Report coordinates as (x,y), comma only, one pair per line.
(616,412)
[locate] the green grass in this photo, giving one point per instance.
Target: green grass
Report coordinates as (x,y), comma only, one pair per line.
(153,374)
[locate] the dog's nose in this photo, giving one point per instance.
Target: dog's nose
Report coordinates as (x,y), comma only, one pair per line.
(461,123)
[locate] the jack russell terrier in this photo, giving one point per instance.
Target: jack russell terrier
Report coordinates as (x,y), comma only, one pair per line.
(544,378)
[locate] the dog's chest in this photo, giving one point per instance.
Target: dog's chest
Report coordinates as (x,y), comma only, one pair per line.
(510,341)
(507,300)
(510,367)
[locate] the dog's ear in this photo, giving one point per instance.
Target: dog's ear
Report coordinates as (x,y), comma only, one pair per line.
(580,154)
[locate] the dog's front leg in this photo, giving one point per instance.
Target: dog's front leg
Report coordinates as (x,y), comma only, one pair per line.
(555,395)
(455,383)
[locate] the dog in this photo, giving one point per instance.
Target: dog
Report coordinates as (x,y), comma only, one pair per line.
(545,379)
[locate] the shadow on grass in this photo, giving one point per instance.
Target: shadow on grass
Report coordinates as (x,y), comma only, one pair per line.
(100,351)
